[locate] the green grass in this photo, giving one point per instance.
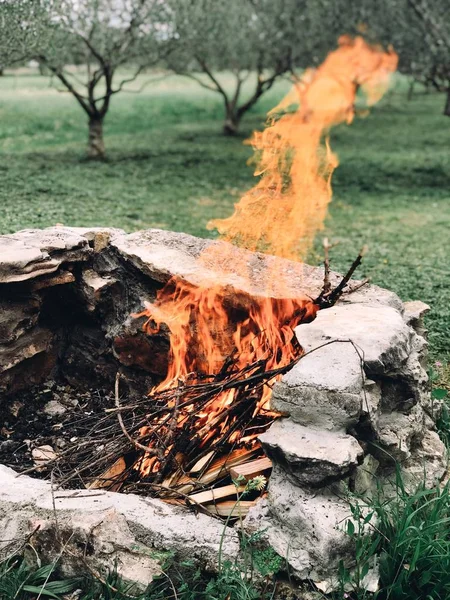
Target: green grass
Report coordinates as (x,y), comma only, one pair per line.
(409,541)
(169,166)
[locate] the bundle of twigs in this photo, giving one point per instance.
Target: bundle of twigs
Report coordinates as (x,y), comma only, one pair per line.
(112,448)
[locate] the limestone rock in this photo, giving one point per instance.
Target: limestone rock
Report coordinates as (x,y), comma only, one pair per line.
(312,457)
(379,333)
(54,408)
(414,314)
(96,541)
(428,462)
(153,523)
(371,295)
(324,389)
(36,341)
(307,528)
(93,286)
(34,252)
(397,433)
(163,254)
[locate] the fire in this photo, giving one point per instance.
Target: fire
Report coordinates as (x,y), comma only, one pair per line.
(288,205)
(209,323)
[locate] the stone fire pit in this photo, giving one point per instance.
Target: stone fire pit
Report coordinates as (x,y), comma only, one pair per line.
(354,408)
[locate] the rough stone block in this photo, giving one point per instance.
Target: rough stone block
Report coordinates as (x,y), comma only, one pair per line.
(305,527)
(17,316)
(313,458)
(324,389)
(95,541)
(397,433)
(151,522)
(379,333)
(34,252)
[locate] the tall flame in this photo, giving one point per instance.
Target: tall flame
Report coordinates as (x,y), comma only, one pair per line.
(280,215)
(288,205)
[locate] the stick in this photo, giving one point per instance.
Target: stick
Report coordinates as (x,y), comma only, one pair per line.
(136,444)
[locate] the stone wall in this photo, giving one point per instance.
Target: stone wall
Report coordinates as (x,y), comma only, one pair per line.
(356,405)
(357,408)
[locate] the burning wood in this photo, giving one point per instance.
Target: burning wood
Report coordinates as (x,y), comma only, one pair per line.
(251,469)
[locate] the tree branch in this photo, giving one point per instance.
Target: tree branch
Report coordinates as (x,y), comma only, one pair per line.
(82,100)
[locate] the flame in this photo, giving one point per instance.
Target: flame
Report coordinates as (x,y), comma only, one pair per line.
(209,322)
(288,205)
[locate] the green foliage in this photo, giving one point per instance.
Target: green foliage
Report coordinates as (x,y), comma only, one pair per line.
(23,27)
(410,540)
(20,581)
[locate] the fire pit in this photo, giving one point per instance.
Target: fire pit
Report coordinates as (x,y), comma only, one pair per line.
(77,306)
(215,368)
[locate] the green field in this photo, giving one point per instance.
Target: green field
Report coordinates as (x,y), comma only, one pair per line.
(169,166)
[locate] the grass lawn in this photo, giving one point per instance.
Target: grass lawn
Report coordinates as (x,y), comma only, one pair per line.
(170,167)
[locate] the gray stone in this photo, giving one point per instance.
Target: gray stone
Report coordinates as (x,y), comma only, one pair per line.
(93,286)
(162,255)
(427,464)
(324,389)
(153,523)
(94,542)
(397,433)
(53,408)
(379,334)
(34,252)
(313,458)
(414,314)
(34,342)
(371,295)
(305,527)
(17,317)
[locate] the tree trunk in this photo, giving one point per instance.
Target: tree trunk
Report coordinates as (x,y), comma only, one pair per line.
(2,71)
(232,120)
(447,104)
(411,89)
(96,146)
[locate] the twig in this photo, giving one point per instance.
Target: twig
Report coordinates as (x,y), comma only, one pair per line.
(326,263)
(147,449)
(328,297)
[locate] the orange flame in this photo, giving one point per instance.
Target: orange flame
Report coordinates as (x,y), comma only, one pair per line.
(288,205)
(209,322)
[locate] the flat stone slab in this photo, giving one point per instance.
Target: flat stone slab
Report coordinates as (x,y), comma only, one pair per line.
(162,254)
(151,523)
(312,457)
(379,333)
(34,252)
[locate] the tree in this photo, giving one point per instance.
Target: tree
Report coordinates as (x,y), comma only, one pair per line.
(103,36)
(22,28)
(432,21)
(252,41)
(419,31)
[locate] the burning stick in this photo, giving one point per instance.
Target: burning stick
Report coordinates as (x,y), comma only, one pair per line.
(328,296)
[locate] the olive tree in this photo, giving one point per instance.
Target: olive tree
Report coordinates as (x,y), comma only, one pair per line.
(114,41)
(419,31)
(251,42)
(23,26)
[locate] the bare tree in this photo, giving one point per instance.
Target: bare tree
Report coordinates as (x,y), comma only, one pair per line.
(114,41)
(253,42)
